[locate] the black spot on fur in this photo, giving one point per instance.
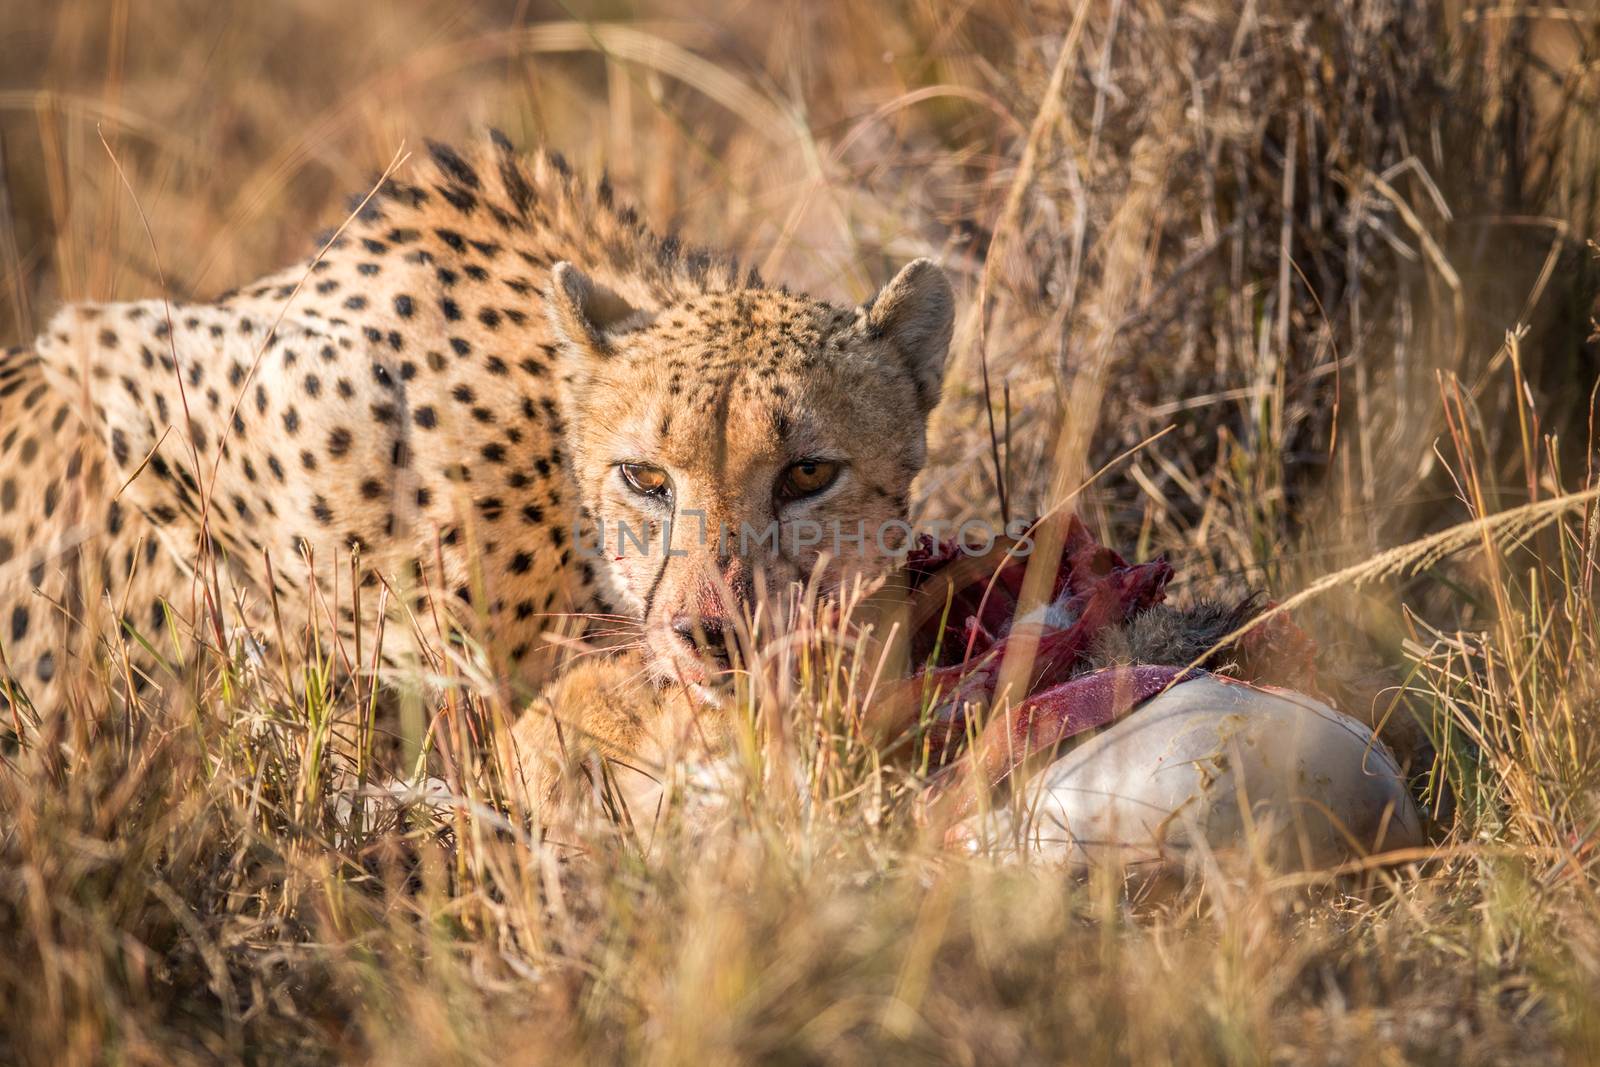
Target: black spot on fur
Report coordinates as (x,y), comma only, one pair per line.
(453,165)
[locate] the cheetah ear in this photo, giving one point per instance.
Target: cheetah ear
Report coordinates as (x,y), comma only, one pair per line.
(584,314)
(915,314)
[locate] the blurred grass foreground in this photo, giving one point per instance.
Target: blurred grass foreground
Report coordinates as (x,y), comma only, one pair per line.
(1305,281)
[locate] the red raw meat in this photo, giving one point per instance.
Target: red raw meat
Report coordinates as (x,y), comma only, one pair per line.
(964,623)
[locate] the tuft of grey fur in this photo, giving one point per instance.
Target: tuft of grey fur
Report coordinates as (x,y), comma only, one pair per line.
(1167,636)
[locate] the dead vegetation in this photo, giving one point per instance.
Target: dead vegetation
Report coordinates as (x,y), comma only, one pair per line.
(1250,271)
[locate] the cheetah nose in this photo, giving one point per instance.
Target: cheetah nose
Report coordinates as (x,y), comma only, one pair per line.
(707,636)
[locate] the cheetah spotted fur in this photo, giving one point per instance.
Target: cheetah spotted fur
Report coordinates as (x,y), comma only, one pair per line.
(447,391)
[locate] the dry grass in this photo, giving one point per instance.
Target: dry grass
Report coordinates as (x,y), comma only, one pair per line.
(1296,234)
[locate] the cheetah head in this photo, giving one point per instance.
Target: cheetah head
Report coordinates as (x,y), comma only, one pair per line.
(728,446)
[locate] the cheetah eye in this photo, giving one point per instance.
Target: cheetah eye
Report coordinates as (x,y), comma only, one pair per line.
(646,481)
(806,478)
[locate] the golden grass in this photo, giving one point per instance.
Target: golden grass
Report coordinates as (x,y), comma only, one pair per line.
(1266,254)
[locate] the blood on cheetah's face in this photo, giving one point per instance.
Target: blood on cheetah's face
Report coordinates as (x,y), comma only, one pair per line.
(773,438)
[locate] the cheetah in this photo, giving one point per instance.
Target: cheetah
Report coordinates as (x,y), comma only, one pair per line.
(75,560)
(450,410)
